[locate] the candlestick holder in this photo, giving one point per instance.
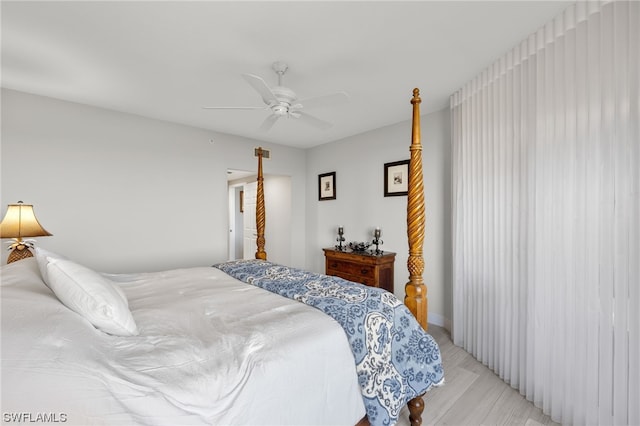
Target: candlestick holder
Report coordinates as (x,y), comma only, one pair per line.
(377,241)
(340,239)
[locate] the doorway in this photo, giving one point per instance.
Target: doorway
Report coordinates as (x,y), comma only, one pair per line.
(242,216)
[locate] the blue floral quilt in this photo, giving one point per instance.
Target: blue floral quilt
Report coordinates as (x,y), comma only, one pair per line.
(396,360)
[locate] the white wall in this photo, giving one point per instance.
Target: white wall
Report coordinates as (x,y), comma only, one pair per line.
(278,233)
(124,193)
(361,206)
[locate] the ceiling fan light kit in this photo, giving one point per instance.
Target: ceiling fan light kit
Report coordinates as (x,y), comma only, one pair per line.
(283,102)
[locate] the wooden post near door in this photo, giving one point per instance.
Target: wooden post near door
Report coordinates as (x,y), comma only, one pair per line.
(260,209)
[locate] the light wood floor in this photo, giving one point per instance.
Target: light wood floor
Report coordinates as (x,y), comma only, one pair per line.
(473,394)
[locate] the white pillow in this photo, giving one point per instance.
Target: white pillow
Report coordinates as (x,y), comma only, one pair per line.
(91,295)
(43,256)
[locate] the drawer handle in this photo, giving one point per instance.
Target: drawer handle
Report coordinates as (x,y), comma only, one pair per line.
(364,271)
(334,265)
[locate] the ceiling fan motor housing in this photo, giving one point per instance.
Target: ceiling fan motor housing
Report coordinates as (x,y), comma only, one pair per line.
(286,97)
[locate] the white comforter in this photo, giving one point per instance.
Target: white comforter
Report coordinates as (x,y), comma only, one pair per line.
(211,350)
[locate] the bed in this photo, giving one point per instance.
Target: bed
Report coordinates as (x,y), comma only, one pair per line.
(173,348)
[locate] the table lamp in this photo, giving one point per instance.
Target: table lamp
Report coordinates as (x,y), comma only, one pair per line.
(20,221)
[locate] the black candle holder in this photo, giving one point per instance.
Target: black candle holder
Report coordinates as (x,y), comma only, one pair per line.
(340,239)
(377,241)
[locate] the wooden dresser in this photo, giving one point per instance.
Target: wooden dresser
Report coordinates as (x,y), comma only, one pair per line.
(361,267)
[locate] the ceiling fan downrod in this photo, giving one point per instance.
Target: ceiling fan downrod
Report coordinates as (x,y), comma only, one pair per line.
(280,68)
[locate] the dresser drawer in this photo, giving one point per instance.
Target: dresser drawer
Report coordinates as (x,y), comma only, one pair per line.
(351,268)
(370,281)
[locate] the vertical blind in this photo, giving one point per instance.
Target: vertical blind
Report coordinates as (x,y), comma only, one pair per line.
(546,213)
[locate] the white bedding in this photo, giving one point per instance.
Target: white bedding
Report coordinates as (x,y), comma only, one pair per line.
(211,350)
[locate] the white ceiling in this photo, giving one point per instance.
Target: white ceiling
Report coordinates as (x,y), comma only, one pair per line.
(166,60)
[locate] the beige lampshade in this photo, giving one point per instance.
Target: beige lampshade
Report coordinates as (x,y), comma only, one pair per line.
(20,222)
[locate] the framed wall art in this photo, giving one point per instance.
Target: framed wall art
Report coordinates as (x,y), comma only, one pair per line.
(396,178)
(327,186)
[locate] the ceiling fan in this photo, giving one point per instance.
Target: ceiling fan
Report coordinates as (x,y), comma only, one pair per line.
(283,102)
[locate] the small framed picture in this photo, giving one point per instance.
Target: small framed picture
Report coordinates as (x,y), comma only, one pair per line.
(396,178)
(327,186)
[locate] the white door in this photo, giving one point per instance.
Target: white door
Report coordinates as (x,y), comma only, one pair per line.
(249,220)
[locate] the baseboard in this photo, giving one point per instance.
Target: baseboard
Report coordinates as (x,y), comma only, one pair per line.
(439,320)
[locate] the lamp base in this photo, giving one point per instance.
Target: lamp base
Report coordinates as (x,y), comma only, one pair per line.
(19,254)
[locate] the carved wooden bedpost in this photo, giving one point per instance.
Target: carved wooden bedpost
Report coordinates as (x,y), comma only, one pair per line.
(260,210)
(415,290)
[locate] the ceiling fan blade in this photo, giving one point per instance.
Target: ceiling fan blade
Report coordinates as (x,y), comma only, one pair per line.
(260,107)
(261,87)
(333,99)
(315,122)
(269,122)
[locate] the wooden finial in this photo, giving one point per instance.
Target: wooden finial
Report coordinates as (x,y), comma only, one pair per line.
(416,96)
